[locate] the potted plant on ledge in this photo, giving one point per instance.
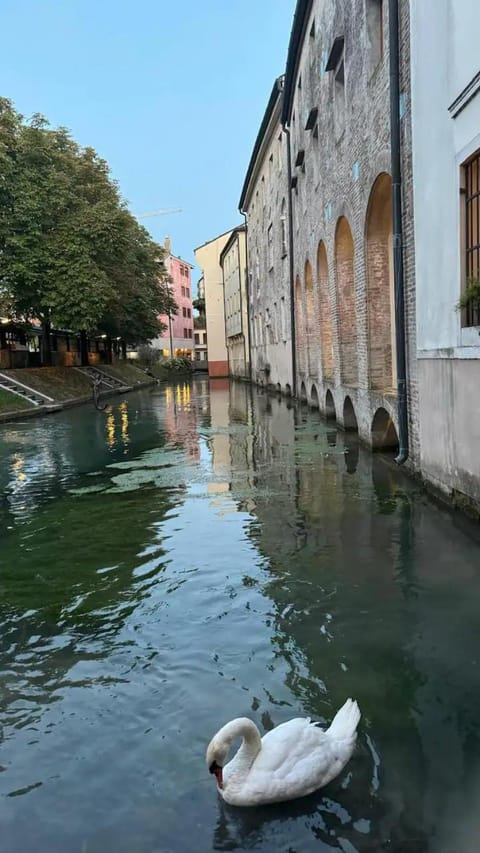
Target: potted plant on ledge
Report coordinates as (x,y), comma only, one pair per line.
(470,300)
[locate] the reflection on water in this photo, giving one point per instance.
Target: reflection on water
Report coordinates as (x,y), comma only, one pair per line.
(199,552)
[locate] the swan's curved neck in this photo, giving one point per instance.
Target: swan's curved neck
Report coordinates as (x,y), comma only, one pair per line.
(252,742)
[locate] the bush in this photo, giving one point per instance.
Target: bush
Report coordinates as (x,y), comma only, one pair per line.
(148,355)
(177,365)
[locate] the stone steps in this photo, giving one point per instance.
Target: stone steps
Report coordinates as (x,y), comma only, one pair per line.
(21,390)
(94,374)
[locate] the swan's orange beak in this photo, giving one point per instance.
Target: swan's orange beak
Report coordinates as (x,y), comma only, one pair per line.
(217,770)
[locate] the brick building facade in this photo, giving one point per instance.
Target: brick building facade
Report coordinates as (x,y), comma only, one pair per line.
(336,111)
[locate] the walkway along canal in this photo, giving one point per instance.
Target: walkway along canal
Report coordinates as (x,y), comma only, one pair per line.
(199,552)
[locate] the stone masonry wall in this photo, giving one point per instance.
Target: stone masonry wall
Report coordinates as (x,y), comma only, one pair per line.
(333,209)
(269,263)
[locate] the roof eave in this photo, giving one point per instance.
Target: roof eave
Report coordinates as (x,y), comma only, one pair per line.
(276,93)
(300,20)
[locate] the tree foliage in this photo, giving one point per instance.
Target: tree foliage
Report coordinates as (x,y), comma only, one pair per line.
(71,254)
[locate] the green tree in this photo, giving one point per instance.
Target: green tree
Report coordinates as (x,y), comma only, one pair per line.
(142,289)
(71,254)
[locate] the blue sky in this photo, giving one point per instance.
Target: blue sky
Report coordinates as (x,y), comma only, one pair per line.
(170,94)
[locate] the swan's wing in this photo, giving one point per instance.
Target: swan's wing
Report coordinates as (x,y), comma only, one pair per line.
(290,744)
(296,758)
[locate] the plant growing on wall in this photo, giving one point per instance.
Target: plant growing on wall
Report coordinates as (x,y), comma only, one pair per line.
(470,297)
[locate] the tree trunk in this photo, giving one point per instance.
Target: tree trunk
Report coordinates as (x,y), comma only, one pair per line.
(83,348)
(47,344)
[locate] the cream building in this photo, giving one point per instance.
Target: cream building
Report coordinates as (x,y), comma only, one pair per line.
(265,202)
(446,158)
(208,259)
(233,260)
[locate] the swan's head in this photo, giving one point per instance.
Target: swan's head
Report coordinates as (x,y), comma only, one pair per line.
(217,752)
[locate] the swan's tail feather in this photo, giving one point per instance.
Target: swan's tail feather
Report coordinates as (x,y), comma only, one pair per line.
(345,722)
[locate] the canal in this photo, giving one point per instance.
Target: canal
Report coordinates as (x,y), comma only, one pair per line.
(196,553)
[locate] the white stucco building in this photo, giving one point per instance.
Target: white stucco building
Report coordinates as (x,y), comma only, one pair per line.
(445,57)
(208,259)
(264,200)
(233,261)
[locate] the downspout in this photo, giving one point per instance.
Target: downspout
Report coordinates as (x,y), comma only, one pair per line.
(398,273)
(291,263)
(247,294)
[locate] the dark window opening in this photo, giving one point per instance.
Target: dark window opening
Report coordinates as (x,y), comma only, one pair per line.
(472,235)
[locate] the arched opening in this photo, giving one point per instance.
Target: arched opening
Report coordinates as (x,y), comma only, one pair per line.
(314,397)
(347,318)
(349,417)
(300,327)
(384,434)
(330,412)
(326,337)
(303,393)
(288,390)
(313,343)
(279,388)
(380,289)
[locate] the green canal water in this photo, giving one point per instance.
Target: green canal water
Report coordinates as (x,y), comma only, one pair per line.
(196,553)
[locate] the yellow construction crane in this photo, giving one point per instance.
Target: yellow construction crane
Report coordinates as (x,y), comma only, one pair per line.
(162,212)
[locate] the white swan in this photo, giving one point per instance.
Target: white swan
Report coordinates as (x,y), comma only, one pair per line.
(292,760)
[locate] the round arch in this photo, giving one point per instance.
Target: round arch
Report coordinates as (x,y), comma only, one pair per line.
(384,434)
(349,417)
(380,288)
(326,337)
(347,318)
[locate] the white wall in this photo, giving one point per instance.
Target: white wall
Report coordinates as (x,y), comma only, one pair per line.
(445,38)
(445,43)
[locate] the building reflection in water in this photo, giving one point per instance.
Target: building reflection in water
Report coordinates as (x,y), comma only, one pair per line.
(350,582)
(180,419)
(117,426)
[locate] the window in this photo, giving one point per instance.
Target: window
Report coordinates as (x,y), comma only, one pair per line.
(197,338)
(283,229)
(187,292)
(181,270)
(374,16)
(336,63)
(471,177)
(270,246)
(280,153)
(190,334)
(340,99)
(312,29)
(189,312)
(185,333)
(183,290)
(270,165)
(184,312)
(204,337)
(283,320)
(197,354)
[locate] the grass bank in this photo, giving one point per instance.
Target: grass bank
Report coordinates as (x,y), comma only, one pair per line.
(59,383)
(12,403)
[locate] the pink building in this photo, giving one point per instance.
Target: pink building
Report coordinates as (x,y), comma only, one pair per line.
(178,336)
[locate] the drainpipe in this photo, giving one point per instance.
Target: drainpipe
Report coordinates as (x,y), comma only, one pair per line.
(398,274)
(247,294)
(291,265)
